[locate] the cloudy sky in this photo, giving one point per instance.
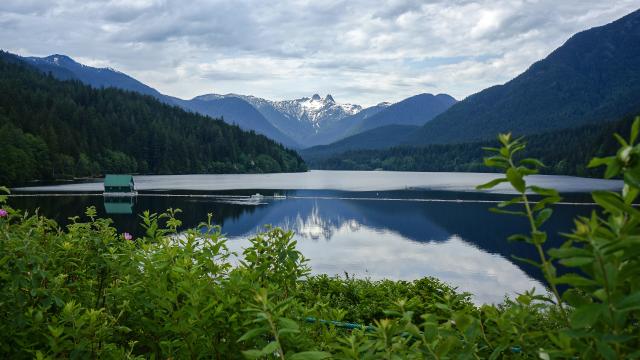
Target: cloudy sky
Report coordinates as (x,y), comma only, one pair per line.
(360,51)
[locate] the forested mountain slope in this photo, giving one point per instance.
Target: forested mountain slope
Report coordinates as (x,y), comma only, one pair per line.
(378,138)
(59,129)
(565,152)
(234,111)
(593,78)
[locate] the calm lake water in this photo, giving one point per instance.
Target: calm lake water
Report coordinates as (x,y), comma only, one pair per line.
(369,224)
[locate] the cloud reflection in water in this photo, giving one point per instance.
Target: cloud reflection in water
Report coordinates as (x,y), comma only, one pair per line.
(353,247)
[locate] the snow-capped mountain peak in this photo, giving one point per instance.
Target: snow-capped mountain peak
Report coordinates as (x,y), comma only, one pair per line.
(316,110)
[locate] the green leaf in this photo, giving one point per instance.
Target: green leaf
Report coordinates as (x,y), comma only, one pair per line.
(613,203)
(519,237)
(532,162)
(613,168)
(544,191)
(528,261)
(507,212)
(587,315)
(635,129)
(596,161)
(524,299)
(496,161)
(575,298)
(632,179)
(575,280)
(497,352)
(609,201)
(310,355)
(538,237)
(543,216)
(524,171)
(289,324)
(516,180)
(629,302)
(491,184)
(506,203)
(252,333)
(462,320)
(55,331)
(270,348)
(546,201)
(577,261)
(621,140)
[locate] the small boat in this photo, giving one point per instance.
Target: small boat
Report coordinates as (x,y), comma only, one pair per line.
(279,196)
(257,196)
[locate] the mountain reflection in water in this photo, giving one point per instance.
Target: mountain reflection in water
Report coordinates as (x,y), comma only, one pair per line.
(461,243)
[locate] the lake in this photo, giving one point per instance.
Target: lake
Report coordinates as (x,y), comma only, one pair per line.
(368,224)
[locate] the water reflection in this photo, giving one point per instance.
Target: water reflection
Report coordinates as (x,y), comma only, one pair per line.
(461,243)
(393,241)
(358,249)
(119,205)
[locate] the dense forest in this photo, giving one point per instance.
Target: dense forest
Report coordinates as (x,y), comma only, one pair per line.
(564,152)
(52,129)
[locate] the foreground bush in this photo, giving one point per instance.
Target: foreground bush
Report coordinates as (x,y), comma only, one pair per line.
(88,292)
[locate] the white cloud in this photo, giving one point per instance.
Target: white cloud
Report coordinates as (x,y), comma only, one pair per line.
(360,51)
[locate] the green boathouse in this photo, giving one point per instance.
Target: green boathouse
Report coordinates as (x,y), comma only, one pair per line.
(118,184)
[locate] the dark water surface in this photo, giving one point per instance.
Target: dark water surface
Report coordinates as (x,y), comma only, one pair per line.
(384,229)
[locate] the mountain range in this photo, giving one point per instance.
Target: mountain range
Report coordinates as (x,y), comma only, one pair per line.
(307,119)
(234,111)
(297,123)
(593,78)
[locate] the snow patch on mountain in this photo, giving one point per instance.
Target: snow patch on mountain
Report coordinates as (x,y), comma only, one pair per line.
(316,111)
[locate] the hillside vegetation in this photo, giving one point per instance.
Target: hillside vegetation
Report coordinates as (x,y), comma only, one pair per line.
(51,129)
(377,138)
(566,152)
(235,111)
